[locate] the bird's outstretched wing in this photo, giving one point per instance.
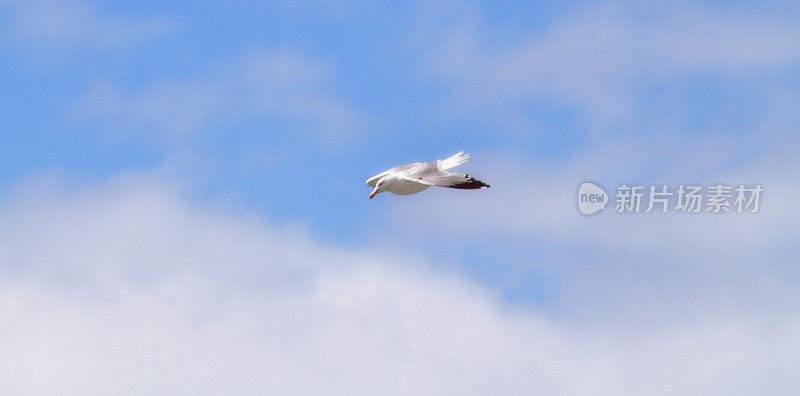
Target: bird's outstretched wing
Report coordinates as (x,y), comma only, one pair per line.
(452,180)
(431,174)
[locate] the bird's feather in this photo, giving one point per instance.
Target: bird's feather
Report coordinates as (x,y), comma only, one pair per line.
(453,161)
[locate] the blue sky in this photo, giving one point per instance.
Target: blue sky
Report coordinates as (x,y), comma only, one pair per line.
(201,167)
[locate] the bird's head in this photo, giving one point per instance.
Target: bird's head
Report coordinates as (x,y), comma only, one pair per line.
(380,186)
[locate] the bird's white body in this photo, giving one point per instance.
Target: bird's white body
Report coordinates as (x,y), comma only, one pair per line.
(413,178)
(405,187)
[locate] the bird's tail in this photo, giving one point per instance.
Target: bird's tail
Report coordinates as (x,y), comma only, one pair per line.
(453,161)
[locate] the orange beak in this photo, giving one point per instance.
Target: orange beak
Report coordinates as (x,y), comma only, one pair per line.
(372,194)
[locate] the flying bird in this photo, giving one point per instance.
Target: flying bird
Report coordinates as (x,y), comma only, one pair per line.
(413,178)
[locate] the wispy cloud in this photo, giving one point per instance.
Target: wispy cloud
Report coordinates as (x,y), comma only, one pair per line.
(601,57)
(280,84)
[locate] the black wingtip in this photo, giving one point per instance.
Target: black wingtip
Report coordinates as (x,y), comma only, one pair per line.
(470,184)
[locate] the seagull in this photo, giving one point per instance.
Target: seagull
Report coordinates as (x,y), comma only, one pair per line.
(413,178)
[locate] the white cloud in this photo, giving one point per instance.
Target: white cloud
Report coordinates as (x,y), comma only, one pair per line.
(128,287)
(280,83)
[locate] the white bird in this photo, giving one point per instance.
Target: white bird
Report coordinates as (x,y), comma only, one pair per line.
(413,178)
